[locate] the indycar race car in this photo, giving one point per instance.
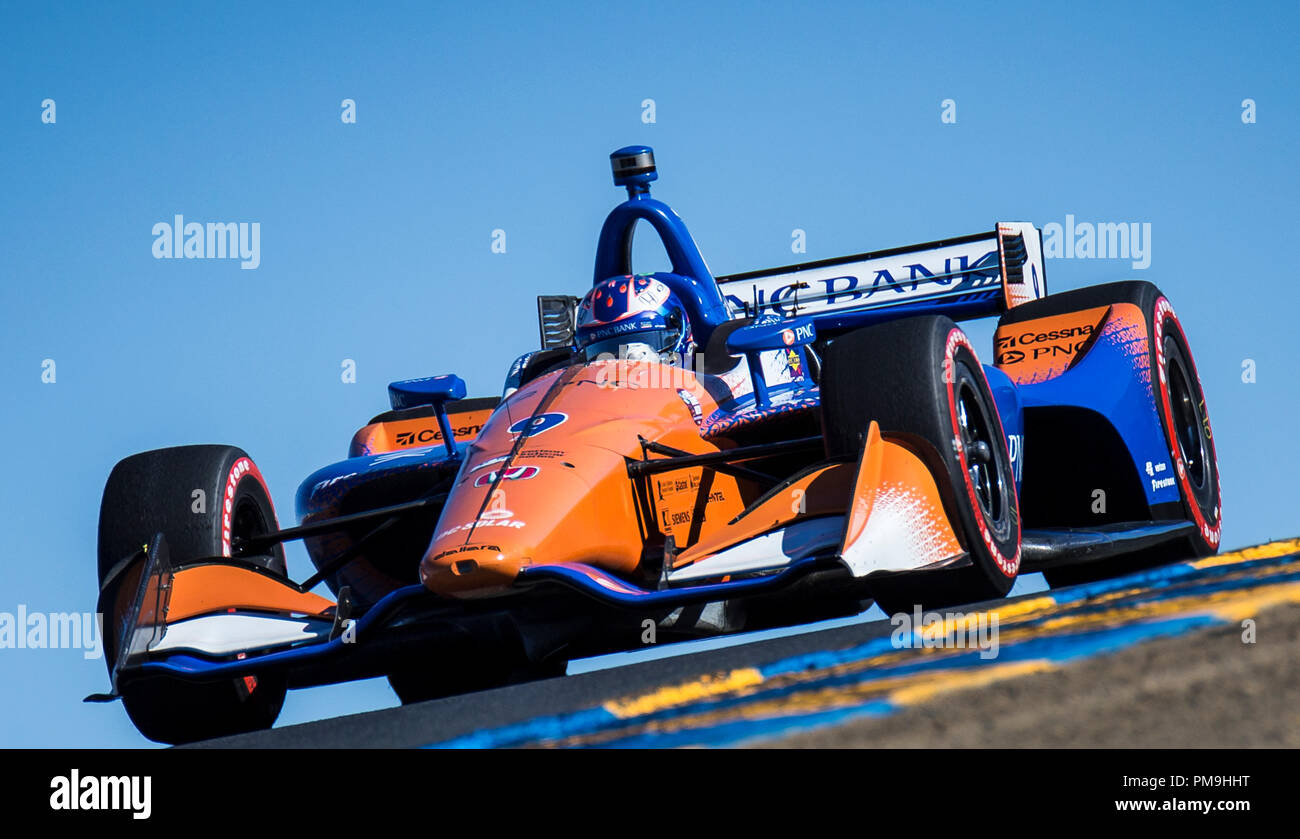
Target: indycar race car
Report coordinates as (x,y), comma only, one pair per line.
(684,455)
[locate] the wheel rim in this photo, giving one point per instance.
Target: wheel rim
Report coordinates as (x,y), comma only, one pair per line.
(983,468)
(247,520)
(1189,422)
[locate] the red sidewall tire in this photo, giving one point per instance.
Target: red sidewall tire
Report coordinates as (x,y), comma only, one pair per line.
(1204,507)
(201,498)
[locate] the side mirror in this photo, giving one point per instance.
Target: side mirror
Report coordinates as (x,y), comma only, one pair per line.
(433,390)
(764,335)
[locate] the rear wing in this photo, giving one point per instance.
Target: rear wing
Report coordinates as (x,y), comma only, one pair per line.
(966,277)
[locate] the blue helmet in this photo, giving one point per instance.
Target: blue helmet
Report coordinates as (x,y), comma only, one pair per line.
(633,317)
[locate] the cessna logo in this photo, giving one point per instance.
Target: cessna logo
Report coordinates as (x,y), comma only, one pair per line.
(1042,337)
(425,436)
(514,473)
(1012,349)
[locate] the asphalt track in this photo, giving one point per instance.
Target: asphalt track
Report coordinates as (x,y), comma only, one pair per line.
(1075,666)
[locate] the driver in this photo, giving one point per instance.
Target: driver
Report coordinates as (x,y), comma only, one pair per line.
(639,318)
(636,318)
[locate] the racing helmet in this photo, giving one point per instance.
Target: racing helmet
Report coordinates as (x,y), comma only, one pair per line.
(634,317)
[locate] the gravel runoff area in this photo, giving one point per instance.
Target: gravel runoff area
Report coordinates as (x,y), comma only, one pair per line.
(1205,689)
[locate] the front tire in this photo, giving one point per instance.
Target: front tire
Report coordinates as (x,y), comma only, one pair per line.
(926,385)
(202,499)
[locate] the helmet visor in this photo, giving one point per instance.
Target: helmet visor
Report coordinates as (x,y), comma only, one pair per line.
(635,346)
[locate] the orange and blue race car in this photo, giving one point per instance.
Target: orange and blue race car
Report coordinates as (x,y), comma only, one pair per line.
(684,455)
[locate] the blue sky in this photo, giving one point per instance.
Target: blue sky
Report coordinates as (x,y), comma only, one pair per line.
(376,236)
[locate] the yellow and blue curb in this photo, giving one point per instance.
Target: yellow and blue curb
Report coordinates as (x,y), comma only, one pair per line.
(1035,635)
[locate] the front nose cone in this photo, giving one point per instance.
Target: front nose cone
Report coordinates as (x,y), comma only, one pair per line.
(491,529)
(478,568)
(574,507)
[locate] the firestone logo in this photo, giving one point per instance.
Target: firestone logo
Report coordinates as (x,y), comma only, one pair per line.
(241,467)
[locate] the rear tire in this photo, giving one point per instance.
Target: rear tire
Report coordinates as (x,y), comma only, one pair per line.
(202,499)
(919,379)
(1180,405)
